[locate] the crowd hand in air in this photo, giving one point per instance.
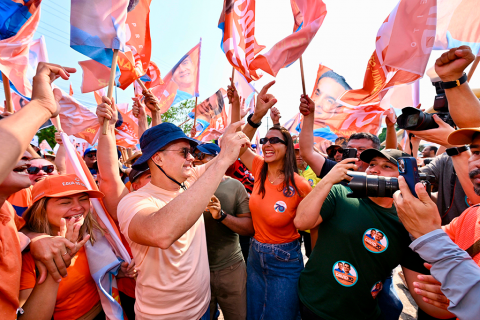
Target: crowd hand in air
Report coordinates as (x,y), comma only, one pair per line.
(232,142)
(138,109)
(265,101)
(275,115)
(307,106)
(151,101)
(451,64)
(107,110)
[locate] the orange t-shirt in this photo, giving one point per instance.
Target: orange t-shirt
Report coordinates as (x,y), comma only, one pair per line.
(21,200)
(10,261)
(273,215)
(465,230)
(77,292)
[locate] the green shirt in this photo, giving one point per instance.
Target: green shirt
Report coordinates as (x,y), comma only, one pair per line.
(345,236)
(223,244)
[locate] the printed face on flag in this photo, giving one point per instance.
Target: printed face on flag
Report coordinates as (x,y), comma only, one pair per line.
(212,116)
(181,83)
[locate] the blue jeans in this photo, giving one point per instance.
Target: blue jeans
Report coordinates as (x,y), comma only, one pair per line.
(206,316)
(389,302)
(272,279)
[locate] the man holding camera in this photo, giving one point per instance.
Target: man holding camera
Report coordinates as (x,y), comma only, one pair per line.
(327,206)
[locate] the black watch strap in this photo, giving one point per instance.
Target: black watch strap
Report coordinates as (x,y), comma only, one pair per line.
(223,215)
(251,123)
(456,83)
(455,151)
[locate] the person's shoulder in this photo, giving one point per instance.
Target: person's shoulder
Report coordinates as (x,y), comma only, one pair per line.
(134,196)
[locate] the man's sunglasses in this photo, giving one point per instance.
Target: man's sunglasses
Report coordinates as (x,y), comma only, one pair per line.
(272,140)
(184,151)
(91,155)
(46,169)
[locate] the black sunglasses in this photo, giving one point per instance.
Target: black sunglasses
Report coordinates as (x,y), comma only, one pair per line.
(184,151)
(272,140)
(91,155)
(46,169)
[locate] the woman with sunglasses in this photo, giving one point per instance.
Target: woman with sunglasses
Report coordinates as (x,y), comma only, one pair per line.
(40,169)
(275,259)
(62,207)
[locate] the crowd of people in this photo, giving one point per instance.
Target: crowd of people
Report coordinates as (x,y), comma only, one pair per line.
(213,227)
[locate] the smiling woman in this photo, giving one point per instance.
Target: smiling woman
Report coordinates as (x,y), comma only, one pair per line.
(61,207)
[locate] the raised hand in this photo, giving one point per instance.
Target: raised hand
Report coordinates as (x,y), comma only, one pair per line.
(275,115)
(151,101)
(232,142)
(307,106)
(265,101)
(138,109)
(107,110)
(42,84)
(232,94)
(451,64)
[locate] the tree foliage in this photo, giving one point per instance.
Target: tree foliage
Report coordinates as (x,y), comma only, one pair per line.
(47,134)
(178,114)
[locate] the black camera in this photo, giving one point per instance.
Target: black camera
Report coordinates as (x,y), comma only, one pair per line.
(417,120)
(363,185)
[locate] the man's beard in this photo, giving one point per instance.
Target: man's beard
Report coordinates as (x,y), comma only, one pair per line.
(472,175)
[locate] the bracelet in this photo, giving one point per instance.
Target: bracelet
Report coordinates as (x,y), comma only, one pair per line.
(277,125)
(456,83)
(251,123)
(223,215)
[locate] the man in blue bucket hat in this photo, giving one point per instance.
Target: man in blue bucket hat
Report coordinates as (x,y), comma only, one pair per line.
(164,225)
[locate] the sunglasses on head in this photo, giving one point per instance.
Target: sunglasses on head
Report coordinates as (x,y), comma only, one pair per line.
(91,155)
(184,151)
(46,169)
(272,140)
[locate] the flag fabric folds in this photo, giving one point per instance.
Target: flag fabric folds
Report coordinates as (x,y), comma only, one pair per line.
(458,24)
(154,76)
(400,57)
(13,14)
(97,27)
(212,116)
(292,124)
(245,91)
(14,51)
(132,63)
(237,22)
(181,83)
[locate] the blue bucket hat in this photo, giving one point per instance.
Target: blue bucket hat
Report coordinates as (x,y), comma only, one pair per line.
(209,148)
(156,138)
(89,150)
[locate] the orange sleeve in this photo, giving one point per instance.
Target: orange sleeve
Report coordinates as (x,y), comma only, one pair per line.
(451,228)
(28,277)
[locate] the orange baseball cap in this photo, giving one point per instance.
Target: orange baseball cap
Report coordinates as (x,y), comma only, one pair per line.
(60,186)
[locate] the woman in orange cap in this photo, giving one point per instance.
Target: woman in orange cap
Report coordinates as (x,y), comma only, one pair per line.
(62,207)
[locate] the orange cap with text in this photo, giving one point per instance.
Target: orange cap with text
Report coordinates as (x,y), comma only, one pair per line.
(61,186)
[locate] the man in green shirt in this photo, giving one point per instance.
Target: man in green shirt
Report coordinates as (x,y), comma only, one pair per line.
(342,237)
(227,216)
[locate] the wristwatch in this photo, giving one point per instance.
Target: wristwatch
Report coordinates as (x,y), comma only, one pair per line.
(455,151)
(251,123)
(223,215)
(456,83)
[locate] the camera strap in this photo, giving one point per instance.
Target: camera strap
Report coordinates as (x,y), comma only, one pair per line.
(410,135)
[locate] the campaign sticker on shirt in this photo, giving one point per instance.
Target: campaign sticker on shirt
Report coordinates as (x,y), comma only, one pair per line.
(377,287)
(375,240)
(280,206)
(345,273)
(310,181)
(290,192)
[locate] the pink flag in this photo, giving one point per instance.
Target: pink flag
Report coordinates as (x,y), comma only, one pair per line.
(403,47)
(77,119)
(14,52)
(292,124)
(245,91)
(44,146)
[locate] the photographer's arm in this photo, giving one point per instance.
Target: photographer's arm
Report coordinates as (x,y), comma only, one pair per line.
(391,138)
(464,106)
(308,211)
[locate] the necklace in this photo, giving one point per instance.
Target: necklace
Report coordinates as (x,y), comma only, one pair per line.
(278,176)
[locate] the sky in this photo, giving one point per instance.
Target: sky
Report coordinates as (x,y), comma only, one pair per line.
(343,43)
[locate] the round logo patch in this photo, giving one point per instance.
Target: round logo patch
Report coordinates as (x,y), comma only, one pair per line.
(345,273)
(375,240)
(280,206)
(310,181)
(377,287)
(290,192)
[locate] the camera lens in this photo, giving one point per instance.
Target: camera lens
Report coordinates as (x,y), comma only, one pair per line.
(363,185)
(414,119)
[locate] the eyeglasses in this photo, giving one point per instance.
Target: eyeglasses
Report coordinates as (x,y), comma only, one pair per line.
(46,169)
(91,155)
(184,151)
(272,140)
(199,155)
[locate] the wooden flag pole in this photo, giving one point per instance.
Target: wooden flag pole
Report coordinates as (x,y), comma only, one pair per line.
(181,124)
(472,69)
(195,116)
(140,82)
(111,84)
(8,94)
(303,77)
(233,76)
(32,152)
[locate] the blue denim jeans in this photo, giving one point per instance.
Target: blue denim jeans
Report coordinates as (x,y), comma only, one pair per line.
(206,316)
(272,279)
(389,302)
